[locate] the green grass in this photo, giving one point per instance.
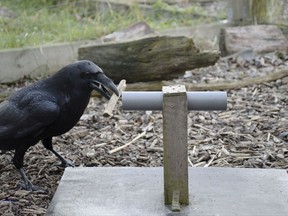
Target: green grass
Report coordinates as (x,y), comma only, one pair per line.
(41,22)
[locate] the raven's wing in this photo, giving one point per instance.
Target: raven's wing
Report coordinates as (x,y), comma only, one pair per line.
(27,115)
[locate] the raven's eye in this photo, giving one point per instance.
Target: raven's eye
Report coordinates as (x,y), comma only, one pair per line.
(85,74)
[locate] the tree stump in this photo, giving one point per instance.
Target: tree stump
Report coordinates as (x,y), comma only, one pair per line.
(260,38)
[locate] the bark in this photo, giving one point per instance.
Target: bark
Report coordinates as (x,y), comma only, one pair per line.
(148,59)
(261,38)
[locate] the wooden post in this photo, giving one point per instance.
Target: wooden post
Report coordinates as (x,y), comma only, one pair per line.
(175,110)
(238,11)
(264,11)
(243,12)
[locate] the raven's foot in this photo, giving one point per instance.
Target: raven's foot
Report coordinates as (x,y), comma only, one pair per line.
(30,187)
(27,185)
(283,135)
(65,163)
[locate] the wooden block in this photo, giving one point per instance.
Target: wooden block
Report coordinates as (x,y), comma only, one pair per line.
(174,90)
(175,110)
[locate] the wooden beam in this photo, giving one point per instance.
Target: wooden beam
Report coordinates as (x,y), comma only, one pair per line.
(175,111)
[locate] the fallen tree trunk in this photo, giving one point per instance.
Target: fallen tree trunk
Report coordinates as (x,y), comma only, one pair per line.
(148,59)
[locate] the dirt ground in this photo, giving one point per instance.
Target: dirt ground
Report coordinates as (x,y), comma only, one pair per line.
(253,133)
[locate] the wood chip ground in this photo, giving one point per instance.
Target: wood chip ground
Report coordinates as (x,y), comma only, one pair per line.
(252,133)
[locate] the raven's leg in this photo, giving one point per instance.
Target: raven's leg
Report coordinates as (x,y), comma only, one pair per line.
(18,163)
(47,142)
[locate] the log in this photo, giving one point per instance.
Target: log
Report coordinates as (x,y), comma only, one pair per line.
(224,85)
(148,59)
(249,81)
(260,38)
(227,85)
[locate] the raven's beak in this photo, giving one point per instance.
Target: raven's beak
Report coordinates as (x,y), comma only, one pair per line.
(101,83)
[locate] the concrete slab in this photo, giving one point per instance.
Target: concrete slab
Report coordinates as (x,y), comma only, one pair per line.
(36,61)
(139,191)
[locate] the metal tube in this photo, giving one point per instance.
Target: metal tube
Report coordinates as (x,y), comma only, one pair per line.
(205,100)
(153,100)
(147,100)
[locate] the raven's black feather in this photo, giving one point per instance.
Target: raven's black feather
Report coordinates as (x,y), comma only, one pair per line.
(49,108)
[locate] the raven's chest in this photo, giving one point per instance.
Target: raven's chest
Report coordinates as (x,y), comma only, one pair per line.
(71,110)
(74,106)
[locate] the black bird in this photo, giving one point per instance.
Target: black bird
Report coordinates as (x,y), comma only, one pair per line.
(48,108)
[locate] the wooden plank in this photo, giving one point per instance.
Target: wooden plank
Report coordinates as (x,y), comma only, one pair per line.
(175,110)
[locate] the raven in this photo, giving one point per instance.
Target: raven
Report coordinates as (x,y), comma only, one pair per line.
(47,108)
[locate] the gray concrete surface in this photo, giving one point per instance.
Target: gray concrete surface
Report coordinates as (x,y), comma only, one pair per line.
(139,191)
(36,61)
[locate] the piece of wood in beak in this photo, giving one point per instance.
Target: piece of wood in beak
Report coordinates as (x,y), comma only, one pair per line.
(114,98)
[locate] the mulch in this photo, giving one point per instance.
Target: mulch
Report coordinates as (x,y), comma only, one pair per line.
(252,133)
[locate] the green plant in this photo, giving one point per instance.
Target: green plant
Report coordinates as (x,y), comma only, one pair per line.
(41,22)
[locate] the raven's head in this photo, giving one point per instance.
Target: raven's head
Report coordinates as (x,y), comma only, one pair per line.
(95,79)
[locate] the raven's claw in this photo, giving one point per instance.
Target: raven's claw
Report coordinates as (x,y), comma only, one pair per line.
(31,187)
(65,163)
(27,185)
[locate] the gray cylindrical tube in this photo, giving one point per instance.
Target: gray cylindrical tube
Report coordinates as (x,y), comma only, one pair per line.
(214,100)
(148,100)
(205,100)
